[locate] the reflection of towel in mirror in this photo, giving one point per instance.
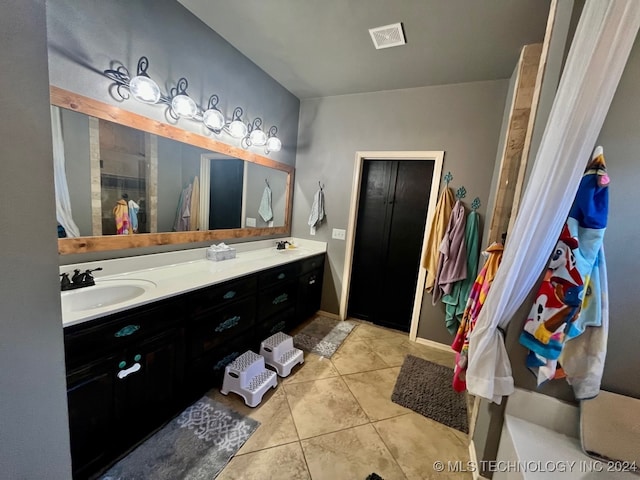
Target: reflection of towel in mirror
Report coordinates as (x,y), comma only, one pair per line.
(317,211)
(133,215)
(265,205)
(183,214)
(194,219)
(121,214)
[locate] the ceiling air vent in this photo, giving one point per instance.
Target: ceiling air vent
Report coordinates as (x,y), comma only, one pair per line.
(387,36)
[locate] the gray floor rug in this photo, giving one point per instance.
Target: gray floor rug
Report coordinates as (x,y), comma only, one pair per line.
(425,388)
(196,445)
(323,336)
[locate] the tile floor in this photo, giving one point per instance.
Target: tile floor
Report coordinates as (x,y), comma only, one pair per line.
(333,419)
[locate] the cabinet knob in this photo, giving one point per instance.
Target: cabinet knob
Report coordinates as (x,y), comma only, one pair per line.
(229,295)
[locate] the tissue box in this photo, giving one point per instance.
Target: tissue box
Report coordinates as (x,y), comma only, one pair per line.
(218,255)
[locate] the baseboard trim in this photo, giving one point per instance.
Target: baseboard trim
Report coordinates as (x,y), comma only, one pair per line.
(328,314)
(432,344)
(473,457)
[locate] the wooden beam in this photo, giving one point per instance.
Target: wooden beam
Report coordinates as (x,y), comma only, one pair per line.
(517,130)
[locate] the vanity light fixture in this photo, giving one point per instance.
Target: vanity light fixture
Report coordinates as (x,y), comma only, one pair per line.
(144,89)
(212,117)
(181,103)
(273,143)
(255,135)
(236,128)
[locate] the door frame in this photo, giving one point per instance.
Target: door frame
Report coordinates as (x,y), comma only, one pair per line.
(437,156)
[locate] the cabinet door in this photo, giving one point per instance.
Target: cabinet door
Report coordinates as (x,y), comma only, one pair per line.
(146,386)
(309,295)
(90,391)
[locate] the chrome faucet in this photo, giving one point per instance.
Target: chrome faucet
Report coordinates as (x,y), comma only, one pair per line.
(78,280)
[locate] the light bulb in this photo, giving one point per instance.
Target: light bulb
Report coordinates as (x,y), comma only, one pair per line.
(237,129)
(258,137)
(274,144)
(144,89)
(213,119)
(184,106)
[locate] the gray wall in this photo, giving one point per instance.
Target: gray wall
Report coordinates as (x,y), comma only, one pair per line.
(34,438)
(169,182)
(75,133)
(85,37)
(463,120)
(256,175)
(621,142)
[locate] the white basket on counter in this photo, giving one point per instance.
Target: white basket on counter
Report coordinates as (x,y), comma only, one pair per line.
(220,252)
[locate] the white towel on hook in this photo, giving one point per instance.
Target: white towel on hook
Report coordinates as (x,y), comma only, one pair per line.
(265,205)
(317,211)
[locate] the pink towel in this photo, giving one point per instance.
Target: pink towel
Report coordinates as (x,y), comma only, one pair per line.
(452,263)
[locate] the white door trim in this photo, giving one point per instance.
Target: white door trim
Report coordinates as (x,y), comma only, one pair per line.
(438,158)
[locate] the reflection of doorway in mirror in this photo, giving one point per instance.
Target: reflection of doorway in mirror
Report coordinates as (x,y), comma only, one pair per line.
(127,176)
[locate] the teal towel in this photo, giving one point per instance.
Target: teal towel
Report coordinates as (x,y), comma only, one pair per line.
(457,299)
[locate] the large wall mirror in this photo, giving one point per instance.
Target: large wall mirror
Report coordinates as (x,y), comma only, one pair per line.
(124,181)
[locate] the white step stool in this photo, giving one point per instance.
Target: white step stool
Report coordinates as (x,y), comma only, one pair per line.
(248,377)
(278,352)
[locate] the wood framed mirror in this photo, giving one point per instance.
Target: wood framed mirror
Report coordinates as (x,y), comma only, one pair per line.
(112,156)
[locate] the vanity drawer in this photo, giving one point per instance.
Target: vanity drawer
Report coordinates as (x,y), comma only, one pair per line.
(277,275)
(219,326)
(276,299)
(312,263)
(280,322)
(207,370)
(220,295)
(94,338)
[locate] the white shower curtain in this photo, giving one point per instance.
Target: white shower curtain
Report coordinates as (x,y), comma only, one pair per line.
(63,202)
(597,57)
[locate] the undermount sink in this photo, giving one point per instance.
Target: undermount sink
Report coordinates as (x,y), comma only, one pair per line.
(103,294)
(291,251)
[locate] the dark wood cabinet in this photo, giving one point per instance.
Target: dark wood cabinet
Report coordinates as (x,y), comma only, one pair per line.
(90,398)
(129,373)
(146,386)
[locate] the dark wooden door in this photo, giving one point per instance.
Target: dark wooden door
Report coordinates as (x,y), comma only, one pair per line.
(225,200)
(392,211)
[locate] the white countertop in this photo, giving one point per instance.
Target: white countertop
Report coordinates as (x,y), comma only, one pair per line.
(174,273)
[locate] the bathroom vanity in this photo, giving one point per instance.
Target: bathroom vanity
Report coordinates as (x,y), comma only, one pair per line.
(134,364)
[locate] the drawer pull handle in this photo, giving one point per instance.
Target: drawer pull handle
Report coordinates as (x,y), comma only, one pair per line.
(276,328)
(125,373)
(229,295)
(281,276)
(312,281)
(280,299)
(226,360)
(227,324)
(126,331)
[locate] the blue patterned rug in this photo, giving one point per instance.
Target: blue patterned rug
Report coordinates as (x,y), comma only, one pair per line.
(196,445)
(323,336)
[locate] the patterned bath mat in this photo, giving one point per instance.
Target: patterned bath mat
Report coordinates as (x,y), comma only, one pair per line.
(323,336)
(196,445)
(425,388)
